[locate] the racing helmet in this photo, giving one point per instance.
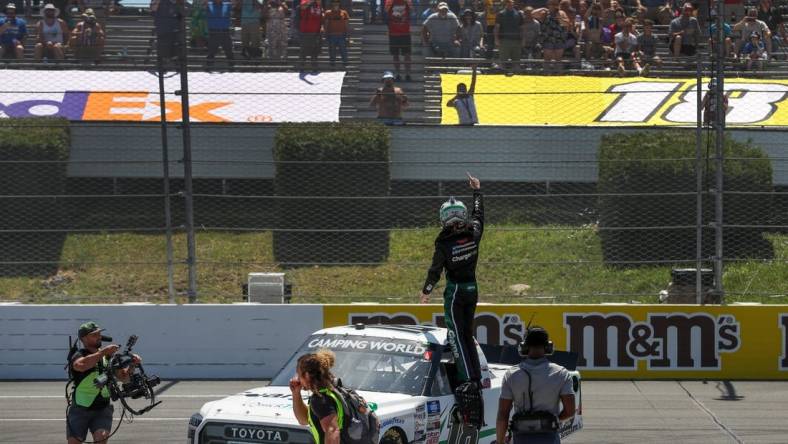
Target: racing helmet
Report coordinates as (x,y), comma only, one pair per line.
(453,212)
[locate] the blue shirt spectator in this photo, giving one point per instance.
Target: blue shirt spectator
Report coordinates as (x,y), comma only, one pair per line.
(219,15)
(13,29)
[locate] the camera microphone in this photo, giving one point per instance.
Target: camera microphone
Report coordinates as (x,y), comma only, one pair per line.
(106,338)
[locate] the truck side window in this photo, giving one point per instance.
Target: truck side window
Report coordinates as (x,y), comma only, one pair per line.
(440,386)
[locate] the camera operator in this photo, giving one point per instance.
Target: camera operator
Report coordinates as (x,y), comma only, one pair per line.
(536,388)
(90,407)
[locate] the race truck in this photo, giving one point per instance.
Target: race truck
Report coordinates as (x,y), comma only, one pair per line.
(404,372)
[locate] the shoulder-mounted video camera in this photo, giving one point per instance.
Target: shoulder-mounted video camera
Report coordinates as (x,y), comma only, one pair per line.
(138,385)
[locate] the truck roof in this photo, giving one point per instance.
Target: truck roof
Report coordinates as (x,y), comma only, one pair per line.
(421,333)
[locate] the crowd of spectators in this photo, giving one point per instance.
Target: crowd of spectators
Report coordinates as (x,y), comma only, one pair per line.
(610,34)
(56,32)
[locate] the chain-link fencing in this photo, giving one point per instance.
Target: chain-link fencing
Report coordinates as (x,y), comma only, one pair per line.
(596,188)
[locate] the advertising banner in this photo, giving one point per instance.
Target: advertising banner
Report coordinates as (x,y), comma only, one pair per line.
(133,96)
(607,101)
(624,341)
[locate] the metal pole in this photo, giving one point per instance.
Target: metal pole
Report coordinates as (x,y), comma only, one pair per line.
(699,184)
(187,161)
(719,117)
(165,160)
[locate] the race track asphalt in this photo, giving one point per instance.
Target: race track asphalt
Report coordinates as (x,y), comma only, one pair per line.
(614,412)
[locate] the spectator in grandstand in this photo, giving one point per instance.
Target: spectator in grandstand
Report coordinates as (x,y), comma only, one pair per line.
(373,10)
(87,38)
(647,46)
(470,35)
(198,24)
(618,22)
(13,31)
(735,8)
(336,24)
(52,34)
(658,11)
(553,34)
(596,49)
(609,9)
(464,103)
(770,15)
(727,32)
(574,28)
(219,28)
(398,12)
(531,27)
(509,36)
(251,37)
(684,33)
(439,33)
(626,49)
(390,101)
(755,52)
(310,26)
(490,15)
(166,19)
(64,6)
(750,24)
(433,9)
(275,13)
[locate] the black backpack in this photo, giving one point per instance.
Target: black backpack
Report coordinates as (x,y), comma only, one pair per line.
(360,424)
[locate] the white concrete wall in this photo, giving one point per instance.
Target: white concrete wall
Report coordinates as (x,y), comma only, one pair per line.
(186,341)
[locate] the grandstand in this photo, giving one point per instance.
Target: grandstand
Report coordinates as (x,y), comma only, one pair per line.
(130,45)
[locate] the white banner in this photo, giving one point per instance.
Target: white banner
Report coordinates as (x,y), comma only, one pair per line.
(134,96)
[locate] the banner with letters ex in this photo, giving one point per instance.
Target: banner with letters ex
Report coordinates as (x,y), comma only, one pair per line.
(624,341)
(607,101)
(133,96)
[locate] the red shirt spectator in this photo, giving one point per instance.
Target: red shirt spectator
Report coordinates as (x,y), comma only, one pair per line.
(311,17)
(399,17)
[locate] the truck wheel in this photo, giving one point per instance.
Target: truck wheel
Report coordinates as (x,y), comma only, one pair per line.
(392,436)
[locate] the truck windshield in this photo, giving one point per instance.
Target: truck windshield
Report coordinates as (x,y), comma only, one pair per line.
(368,363)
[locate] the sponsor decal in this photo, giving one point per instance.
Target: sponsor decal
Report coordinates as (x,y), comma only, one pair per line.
(433,407)
(625,341)
(256,433)
(375,345)
(234,97)
(598,101)
(491,328)
(666,341)
(392,421)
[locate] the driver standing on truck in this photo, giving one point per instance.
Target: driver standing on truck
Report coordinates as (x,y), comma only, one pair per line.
(457,251)
(535,386)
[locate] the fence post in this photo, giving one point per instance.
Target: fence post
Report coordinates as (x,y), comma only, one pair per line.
(165,160)
(699,184)
(187,161)
(719,124)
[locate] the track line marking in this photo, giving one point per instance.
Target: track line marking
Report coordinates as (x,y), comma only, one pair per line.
(711,414)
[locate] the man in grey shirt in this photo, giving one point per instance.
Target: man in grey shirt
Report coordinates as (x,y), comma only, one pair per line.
(684,33)
(550,387)
(439,33)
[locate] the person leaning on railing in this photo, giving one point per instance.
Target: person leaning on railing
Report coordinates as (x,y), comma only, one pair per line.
(87,38)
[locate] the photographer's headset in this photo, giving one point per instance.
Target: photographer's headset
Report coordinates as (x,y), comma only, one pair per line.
(535,336)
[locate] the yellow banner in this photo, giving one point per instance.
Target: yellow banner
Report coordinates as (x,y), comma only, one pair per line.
(623,341)
(606,101)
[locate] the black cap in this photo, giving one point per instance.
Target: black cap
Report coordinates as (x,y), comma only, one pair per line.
(537,336)
(88,328)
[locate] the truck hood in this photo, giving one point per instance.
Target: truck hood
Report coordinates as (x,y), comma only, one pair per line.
(274,405)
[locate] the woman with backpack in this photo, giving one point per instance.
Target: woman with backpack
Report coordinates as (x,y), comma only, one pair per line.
(335,415)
